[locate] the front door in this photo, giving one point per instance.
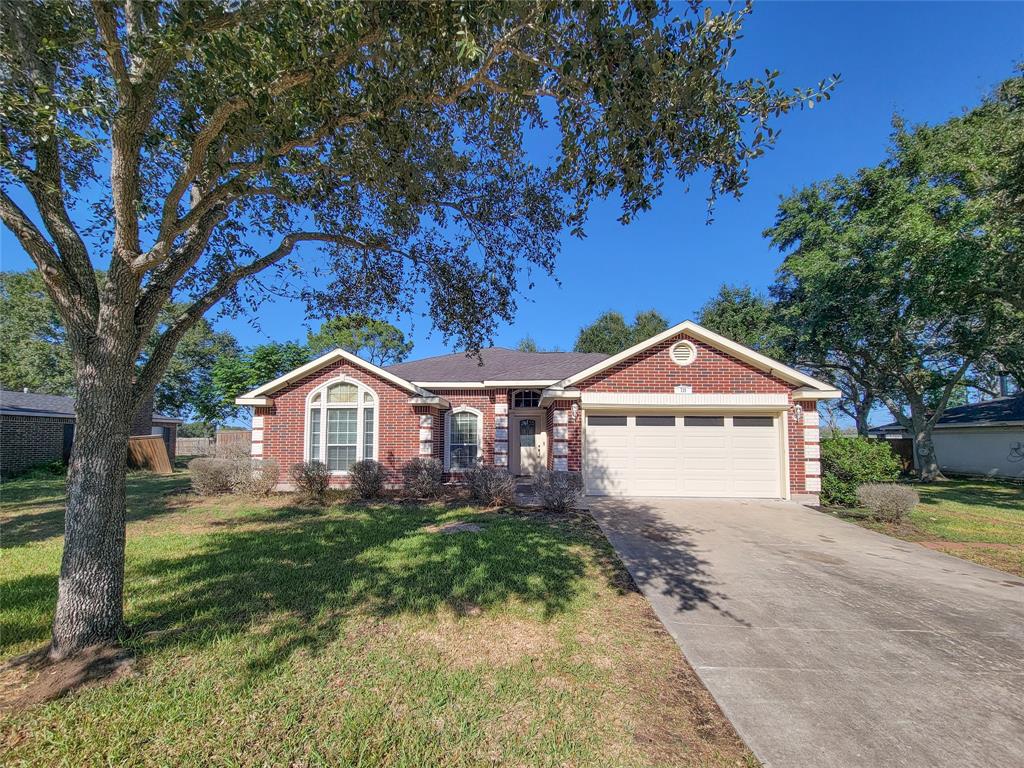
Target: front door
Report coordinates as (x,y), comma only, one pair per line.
(532,445)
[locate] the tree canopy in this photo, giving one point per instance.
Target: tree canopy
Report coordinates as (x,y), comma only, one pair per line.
(378,341)
(906,278)
(610,333)
(369,157)
(740,314)
(234,375)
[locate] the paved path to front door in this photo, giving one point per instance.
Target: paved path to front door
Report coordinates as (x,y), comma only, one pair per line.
(827,644)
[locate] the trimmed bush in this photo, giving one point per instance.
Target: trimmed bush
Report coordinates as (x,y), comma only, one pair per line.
(211,476)
(367,478)
(490,485)
(888,502)
(311,478)
(424,478)
(849,462)
(556,491)
(254,477)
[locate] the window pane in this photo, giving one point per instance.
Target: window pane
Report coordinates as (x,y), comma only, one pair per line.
(340,457)
(464,428)
(314,434)
(752,421)
(342,393)
(463,456)
(316,399)
(341,426)
(367,397)
(606,421)
(704,421)
(655,421)
(526,399)
(368,433)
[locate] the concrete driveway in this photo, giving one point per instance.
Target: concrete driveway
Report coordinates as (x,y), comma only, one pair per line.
(827,644)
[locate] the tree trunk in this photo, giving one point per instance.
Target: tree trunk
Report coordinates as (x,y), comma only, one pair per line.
(91,591)
(924,449)
(863,412)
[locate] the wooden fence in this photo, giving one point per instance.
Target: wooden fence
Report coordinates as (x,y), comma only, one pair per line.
(196,446)
(227,441)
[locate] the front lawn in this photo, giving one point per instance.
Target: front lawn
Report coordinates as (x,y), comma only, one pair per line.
(979,520)
(270,633)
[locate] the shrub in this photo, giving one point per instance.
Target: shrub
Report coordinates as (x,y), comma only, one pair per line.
(311,479)
(557,491)
(490,485)
(368,478)
(888,502)
(424,478)
(849,462)
(254,477)
(211,476)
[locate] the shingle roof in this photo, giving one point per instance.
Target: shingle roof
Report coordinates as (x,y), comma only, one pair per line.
(34,404)
(499,364)
(997,411)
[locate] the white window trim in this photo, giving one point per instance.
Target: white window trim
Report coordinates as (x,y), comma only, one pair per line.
(448,436)
(360,432)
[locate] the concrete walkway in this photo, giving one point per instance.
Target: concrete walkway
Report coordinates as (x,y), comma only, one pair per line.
(827,644)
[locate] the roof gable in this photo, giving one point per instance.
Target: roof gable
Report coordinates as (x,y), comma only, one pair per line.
(813,387)
(261,395)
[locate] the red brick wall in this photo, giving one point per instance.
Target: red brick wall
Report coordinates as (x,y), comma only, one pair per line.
(398,421)
(713,371)
(481,400)
(26,441)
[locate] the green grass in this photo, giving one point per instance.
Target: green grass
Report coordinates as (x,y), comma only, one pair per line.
(270,633)
(978,520)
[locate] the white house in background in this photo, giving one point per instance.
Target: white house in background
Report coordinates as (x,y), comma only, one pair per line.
(978,439)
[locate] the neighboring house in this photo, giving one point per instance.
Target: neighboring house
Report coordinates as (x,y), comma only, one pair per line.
(686,413)
(36,429)
(977,439)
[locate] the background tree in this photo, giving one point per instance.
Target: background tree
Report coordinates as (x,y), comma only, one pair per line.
(187,388)
(32,350)
(190,145)
(527,344)
(740,314)
(234,375)
(33,353)
(896,277)
(375,340)
(611,334)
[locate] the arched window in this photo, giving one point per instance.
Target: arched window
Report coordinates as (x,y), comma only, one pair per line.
(526,398)
(464,431)
(341,424)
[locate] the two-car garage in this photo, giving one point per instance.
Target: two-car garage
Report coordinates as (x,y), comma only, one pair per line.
(684,454)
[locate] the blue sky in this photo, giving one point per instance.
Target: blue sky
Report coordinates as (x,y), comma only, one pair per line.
(926,61)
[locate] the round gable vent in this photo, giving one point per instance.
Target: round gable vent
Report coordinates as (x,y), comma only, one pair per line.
(682,353)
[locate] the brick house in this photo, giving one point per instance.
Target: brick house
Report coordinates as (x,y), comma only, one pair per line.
(37,429)
(685,413)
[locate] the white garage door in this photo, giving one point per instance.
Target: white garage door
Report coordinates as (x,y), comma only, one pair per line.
(692,455)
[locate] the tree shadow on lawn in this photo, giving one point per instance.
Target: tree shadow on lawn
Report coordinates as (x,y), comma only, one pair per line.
(38,505)
(297,580)
(990,493)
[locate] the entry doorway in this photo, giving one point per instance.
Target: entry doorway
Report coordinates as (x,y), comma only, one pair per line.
(529,442)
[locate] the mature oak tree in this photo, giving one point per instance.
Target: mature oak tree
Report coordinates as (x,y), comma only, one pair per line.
(610,333)
(188,146)
(908,277)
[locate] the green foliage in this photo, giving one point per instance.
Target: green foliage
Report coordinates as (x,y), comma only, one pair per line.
(751,319)
(849,462)
(375,340)
(611,334)
(187,386)
(234,375)
(32,349)
(527,344)
(906,277)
